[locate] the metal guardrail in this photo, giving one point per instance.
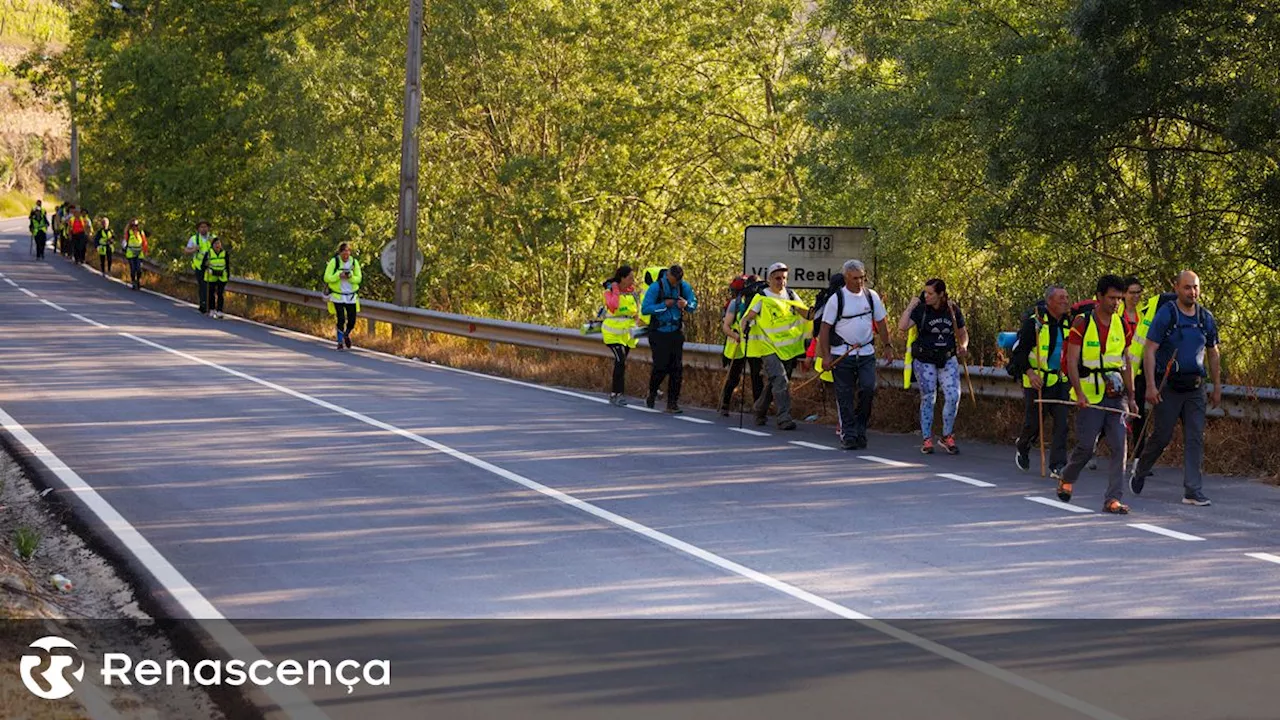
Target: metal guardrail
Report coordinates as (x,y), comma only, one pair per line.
(1237,401)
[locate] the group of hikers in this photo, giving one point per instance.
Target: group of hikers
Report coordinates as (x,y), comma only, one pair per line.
(208,258)
(1120,360)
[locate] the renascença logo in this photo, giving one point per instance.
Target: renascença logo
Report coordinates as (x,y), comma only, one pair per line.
(55,676)
(122,669)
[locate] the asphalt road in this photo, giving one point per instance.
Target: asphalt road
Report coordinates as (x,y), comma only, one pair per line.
(285,480)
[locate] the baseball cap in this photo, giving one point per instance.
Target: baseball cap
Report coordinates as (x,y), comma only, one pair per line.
(776,266)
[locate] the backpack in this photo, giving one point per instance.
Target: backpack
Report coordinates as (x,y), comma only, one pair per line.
(662,295)
(324,285)
(820,304)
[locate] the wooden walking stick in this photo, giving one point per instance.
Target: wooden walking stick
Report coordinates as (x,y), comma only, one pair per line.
(967,377)
(850,349)
(1040,413)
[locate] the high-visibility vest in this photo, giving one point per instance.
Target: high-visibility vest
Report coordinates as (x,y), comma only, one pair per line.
(1039,357)
(1146,312)
(39,222)
(133,244)
(782,328)
(1096,361)
(103,240)
(215,266)
(202,247)
(736,350)
(648,276)
(616,328)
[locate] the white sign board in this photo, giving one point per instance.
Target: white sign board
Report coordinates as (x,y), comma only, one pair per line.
(388,258)
(813,254)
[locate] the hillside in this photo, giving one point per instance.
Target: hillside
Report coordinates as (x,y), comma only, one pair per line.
(34,126)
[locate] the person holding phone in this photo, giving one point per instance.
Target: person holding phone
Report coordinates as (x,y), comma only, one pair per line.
(939,337)
(343,276)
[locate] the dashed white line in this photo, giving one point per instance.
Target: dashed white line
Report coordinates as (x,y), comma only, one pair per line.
(27,292)
(815,446)
(887,461)
(753,433)
(695,420)
(1267,557)
(1059,505)
(55,306)
(92,322)
(642,408)
(11,282)
(730,566)
(967,480)
(1165,531)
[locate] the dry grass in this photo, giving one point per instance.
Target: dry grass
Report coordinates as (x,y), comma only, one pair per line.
(1232,447)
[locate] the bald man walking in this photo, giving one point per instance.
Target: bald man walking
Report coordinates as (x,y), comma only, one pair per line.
(1185,333)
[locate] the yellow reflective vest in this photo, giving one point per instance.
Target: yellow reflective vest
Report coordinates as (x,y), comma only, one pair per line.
(1039,357)
(783,330)
(1096,361)
(617,325)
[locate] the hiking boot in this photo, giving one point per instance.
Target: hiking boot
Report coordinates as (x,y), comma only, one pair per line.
(848,444)
(1055,471)
(1022,460)
(724,411)
(787,425)
(649,401)
(1115,507)
(617,400)
(949,442)
(927,446)
(1064,491)
(1093,464)
(762,420)
(673,410)
(346,339)
(1198,499)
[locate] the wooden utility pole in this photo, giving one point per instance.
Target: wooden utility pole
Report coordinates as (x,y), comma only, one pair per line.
(407,220)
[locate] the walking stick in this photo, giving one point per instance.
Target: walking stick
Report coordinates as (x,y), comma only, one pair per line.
(848,350)
(1040,414)
(746,368)
(1151,411)
(972,396)
(1095,407)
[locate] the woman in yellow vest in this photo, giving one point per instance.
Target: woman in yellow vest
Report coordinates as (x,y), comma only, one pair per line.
(216,271)
(104,239)
(622,314)
(135,247)
(735,346)
(343,276)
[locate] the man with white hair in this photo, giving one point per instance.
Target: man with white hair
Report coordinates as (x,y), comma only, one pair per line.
(846,344)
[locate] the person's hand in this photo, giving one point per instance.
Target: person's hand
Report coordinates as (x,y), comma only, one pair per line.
(682,303)
(735,337)
(669,302)
(1033,377)
(962,350)
(828,360)
(1216,399)
(1081,400)
(1133,406)
(1153,395)
(888,352)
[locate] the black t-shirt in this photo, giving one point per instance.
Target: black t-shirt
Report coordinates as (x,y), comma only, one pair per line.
(935,327)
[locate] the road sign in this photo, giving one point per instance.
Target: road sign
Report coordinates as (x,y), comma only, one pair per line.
(812,253)
(388,257)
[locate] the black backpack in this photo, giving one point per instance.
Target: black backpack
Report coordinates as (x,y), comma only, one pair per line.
(820,304)
(324,285)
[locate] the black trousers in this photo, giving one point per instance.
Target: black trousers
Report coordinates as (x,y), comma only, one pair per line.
(735,376)
(80,245)
(217,294)
(104,261)
(135,272)
(202,291)
(41,241)
(345,314)
(668,362)
(1057,413)
(620,353)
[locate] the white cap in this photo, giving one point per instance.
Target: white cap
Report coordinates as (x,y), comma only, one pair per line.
(776,266)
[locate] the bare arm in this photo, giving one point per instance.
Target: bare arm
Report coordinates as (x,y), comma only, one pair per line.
(1149,367)
(905,321)
(726,323)
(1073,372)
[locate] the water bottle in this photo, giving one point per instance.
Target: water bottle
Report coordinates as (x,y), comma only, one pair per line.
(60,582)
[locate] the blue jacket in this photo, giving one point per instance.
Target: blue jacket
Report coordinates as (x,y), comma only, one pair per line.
(663,318)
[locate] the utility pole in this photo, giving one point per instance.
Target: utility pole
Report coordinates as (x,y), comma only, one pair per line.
(75,147)
(407,220)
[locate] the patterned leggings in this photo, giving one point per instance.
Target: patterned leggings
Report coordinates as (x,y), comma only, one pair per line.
(929,377)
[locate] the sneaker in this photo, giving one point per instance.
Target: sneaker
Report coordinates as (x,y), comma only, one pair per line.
(927,446)
(949,442)
(1199,500)
(673,410)
(1022,460)
(339,346)
(346,339)
(1093,464)
(1055,471)
(1115,507)
(787,425)
(649,401)
(762,420)
(1136,482)
(848,444)
(724,412)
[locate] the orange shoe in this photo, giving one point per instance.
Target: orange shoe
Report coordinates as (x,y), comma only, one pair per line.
(949,442)
(1064,491)
(1115,507)
(927,447)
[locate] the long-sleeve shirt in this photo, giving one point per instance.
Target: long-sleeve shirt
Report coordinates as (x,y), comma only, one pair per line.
(668,319)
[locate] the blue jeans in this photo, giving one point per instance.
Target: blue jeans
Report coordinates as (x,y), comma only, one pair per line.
(855,381)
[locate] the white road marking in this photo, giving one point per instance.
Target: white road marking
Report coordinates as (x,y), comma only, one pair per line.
(735,568)
(746,431)
(887,461)
(53,305)
(11,282)
(968,480)
(192,602)
(1166,532)
(94,323)
(699,421)
(1059,505)
(1267,557)
(641,408)
(27,292)
(815,446)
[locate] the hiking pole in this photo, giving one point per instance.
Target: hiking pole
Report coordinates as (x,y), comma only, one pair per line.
(1151,412)
(1091,405)
(746,368)
(850,349)
(1040,414)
